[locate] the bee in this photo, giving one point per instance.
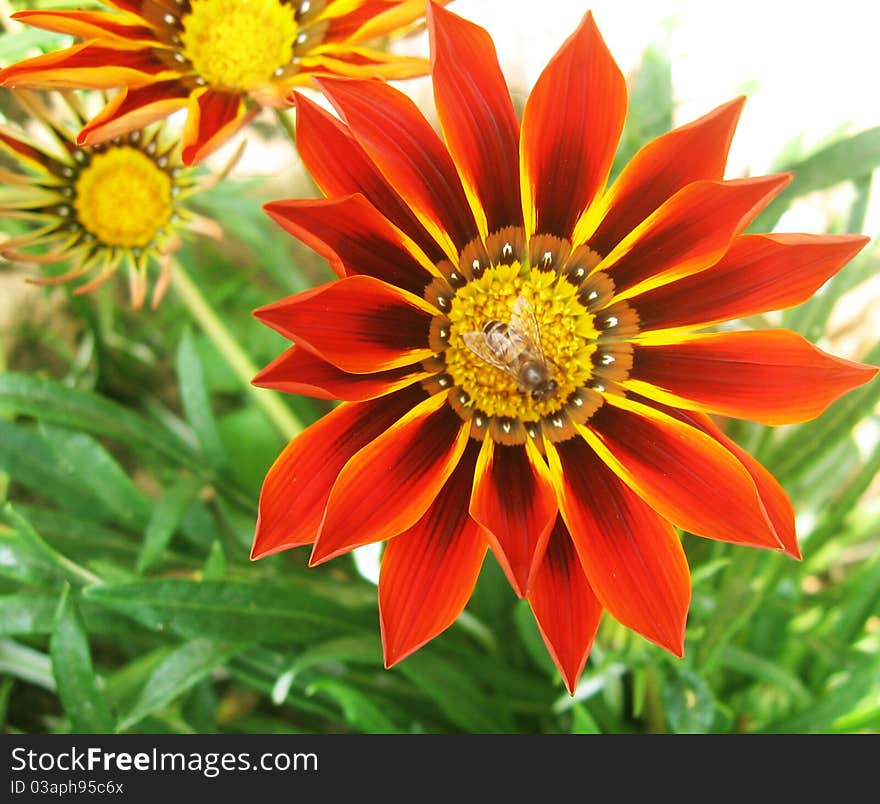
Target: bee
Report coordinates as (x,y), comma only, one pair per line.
(515,349)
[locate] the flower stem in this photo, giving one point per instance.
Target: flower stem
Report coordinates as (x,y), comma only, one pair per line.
(201,311)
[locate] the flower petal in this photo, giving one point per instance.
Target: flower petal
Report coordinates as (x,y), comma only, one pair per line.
(570,130)
(297,487)
(213,118)
(298,371)
(86,24)
(631,555)
(770,376)
(361,62)
(660,169)
(375,18)
(688,233)
(683,474)
(413,159)
(359,324)
(95,64)
(429,571)
(565,606)
(477,117)
(387,487)
(340,166)
(355,238)
(514,500)
(757,274)
(131,109)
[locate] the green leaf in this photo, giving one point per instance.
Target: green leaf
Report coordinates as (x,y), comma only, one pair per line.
(27,614)
(358,709)
(75,677)
(164,520)
(195,400)
(847,159)
(228,611)
(31,666)
(582,721)
(177,673)
(215,563)
(688,703)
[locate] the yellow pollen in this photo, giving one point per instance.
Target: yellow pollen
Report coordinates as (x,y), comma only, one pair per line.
(567,340)
(238,44)
(123,198)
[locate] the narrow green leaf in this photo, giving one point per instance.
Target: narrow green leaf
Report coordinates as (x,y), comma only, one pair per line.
(27,614)
(196,402)
(164,520)
(6,686)
(582,721)
(765,670)
(358,709)
(74,673)
(215,563)
(31,666)
(847,159)
(229,611)
(178,672)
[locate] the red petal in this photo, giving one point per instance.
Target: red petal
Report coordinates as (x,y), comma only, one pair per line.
(413,159)
(688,233)
(214,117)
(86,24)
(565,606)
(358,324)
(514,500)
(374,18)
(664,166)
(776,502)
(297,371)
(758,273)
(363,63)
(387,487)
(340,166)
(429,571)
(355,238)
(631,555)
(771,376)
(570,129)
(683,474)
(131,109)
(477,117)
(297,487)
(95,64)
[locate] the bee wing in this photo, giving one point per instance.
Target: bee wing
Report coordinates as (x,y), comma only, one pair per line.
(524,323)
(477,343)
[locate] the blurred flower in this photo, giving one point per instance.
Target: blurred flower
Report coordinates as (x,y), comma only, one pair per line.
(119,203)
(514,344)
(219,59)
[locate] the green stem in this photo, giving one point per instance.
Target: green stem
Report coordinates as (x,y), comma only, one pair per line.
(286,124)
(277,412)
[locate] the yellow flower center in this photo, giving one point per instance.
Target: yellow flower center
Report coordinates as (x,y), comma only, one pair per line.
(520,342)
(238,44)
(123,198)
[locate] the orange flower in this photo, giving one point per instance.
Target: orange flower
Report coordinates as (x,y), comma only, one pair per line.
(513,344)
(219,59)
(97,208)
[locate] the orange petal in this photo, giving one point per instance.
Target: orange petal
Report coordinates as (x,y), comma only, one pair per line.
(688,233)
(363,62)
(477,117)
(757,274)
(297,371)
(375,18)
(413,159)
(513,499)
(570,129)
(631,555)
(387,487)
(565,606)
(682,473)
(770,376)
(429,571)
(358,324)
(87,25)
(213,118)
(297,487)
(355,238)
(340,166)
(660,169)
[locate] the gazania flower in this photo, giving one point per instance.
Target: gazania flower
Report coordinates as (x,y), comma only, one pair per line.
(514,344)
(96,208)
(219,59)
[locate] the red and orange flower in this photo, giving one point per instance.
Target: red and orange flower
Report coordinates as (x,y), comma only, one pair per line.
(514,344)
(219,59)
